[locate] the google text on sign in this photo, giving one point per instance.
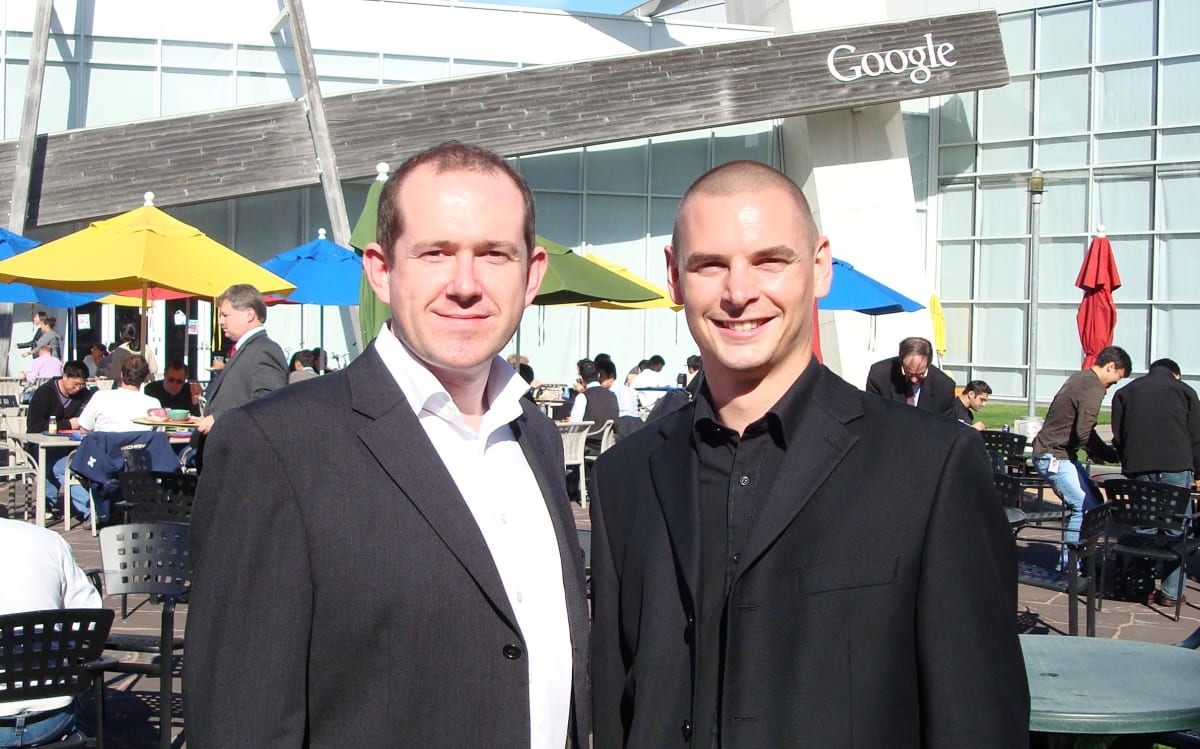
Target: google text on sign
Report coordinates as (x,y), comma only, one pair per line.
(919,62)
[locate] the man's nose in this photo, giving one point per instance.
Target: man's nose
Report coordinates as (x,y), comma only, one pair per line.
(465,283)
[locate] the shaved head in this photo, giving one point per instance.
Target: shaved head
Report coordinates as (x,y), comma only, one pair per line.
(741,177)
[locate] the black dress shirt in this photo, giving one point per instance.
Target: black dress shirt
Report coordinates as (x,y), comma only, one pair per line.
(735,474)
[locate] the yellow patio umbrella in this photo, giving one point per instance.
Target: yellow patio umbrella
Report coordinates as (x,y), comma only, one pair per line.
(662,301)
(142,249)
(939,325)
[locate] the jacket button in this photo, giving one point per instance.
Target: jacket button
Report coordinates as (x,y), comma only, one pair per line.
(686,729)
(512,652)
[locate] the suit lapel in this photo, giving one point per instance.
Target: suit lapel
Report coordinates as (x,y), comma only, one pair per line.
(816,447)
(677,486)
(231,362)
(394,436)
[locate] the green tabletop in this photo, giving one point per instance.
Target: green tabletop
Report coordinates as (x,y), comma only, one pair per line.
(1086,685)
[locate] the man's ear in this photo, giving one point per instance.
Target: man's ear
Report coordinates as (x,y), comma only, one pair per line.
(376,268)
(673,275)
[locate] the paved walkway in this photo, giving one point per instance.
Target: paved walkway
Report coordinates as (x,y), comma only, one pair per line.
(132,707)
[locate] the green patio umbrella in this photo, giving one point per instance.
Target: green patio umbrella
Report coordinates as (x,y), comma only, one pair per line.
(371,311)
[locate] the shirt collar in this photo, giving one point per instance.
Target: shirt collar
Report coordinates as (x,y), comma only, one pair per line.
(425,393)
(250,334)
(780,420)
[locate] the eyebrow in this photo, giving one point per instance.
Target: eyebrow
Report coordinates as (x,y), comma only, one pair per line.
(487,244)
(778,252)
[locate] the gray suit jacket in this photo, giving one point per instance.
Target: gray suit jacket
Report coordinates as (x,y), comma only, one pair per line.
(873,602)
(344,595)
(257,369)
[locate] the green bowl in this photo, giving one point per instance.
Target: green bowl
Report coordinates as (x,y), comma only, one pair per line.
(178,414)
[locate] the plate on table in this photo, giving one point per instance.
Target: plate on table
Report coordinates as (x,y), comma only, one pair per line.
(74,434)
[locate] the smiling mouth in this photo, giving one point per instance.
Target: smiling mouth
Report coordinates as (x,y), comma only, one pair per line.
(739,325)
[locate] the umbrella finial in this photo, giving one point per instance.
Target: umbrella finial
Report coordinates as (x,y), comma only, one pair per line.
(1100,230)
(381,171)
(148,199)
(320,233)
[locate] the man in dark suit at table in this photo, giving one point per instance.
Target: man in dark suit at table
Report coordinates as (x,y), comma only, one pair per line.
(385,555)
(911,378)
(788,562)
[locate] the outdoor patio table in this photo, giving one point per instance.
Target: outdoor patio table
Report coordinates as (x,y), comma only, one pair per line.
(43,442)
(1088,685)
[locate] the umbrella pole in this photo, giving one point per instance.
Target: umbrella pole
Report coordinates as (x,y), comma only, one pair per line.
(143,333)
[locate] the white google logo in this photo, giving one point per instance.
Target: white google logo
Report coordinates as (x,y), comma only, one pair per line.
(919,62)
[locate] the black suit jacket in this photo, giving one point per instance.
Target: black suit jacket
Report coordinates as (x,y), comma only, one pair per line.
(344,595)
(258,368)
(874,603)
(886,379)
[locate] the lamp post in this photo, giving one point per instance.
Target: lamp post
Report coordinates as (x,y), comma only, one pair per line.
(1037,185)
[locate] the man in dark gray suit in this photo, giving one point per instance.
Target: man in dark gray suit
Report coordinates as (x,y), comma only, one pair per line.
(787,561)
(385,556)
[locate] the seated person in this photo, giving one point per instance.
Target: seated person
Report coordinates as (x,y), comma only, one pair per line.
(301,366)
(44,366)
(973,397)
(114,411)
(592,402)
(173,391)
(38,573)
(97,361)
(63,398)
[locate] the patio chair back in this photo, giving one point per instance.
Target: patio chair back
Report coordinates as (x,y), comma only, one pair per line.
(574,438)
(158,496)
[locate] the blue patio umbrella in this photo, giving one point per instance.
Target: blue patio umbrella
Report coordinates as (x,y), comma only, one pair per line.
(854,290)
(323,273)
(22,293)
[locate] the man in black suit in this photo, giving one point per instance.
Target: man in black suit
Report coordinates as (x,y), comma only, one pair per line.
(787,562)
(911,378)
(385,555)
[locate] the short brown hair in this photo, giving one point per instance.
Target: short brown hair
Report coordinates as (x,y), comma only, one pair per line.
(134,370)
(451,156)
(916,345)
(738,177)
(244,296)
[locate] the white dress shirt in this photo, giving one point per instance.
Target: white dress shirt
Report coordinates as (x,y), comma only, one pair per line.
(627,402)
(503,495)
(579,403)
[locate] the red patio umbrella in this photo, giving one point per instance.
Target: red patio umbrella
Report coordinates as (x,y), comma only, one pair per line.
(1097,316)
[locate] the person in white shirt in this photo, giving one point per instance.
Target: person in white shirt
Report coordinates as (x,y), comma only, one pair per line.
(38,573)
(627,402)
(114,410)
(651,376)
(415,503)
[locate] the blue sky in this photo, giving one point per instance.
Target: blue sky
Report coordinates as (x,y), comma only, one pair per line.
(595,6)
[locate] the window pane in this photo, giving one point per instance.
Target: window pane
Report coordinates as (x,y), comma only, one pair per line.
(1016,31)
(617,167)
(955,270)
(1063,37)
(56,112)
(1180,145)
(1133,263)
(1131,334)
(1114,149)
(1003,209)
(1063,99)
(1178,269)
(1181,26)
(1058,267)
(1005,383)
(750,142)
(559,170)
(675,163)
(956,118)
(195,91)
(1004,112)
(999,336)
(120,51)
(1062,153)
(118,95)
(1058,337)
(1064,207)
(1175,336)
(347,65)
(559,218)
(916,136)
(1004,157)
(1123,205)
(258,88)
(958,211)
(1179,197)
(1001,270)
(210,218)
(196,55)
(460,68)
(616,227)
(405,68)
(956,160)
(1126,30)
(267,59)
(267,222)
(1181,92)
(1125,97)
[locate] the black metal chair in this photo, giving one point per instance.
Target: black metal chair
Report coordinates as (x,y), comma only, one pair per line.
(1152,522)
(1091,584)
(157,496)
(56,653)
(152,559)
(1003,447)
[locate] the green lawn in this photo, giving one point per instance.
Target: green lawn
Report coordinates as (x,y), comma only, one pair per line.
(997,414)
